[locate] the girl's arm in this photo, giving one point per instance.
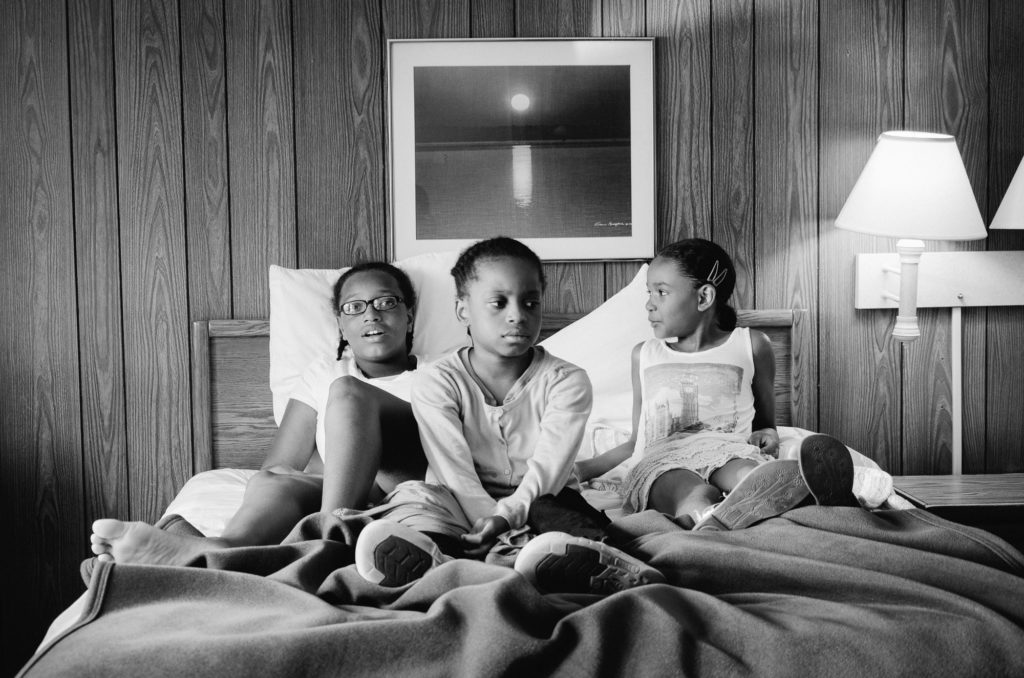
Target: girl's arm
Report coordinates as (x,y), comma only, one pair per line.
(563,420)
(295,440)
(601,464)
(435,404)
(764,434)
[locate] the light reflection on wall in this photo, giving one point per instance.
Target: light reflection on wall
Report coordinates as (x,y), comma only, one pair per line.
(522,176)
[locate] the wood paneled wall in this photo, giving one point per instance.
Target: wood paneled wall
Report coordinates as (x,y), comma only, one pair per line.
(159,155)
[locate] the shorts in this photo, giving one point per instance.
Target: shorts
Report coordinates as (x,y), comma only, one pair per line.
(701,454)
(434,510)
(424,507)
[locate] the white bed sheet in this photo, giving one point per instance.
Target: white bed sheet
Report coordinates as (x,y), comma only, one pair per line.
(209,499)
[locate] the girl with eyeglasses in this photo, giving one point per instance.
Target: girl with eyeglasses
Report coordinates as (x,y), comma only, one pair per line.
(348,434)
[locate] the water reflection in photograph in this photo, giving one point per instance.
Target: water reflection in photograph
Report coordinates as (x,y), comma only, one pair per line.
(540,151)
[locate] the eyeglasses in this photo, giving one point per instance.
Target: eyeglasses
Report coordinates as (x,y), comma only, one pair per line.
(358,306)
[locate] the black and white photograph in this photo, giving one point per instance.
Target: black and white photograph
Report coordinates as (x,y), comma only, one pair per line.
(551,144)
(512,338)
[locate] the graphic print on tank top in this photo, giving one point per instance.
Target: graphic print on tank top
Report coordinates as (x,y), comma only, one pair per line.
(681,400)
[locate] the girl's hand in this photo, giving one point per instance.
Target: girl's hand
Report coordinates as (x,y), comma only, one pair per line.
(767,439)
(484,534)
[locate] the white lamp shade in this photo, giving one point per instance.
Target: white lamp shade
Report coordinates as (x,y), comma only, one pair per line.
(1011,210)
(915,186)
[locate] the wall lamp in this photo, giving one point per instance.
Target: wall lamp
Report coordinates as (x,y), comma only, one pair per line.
(914,187)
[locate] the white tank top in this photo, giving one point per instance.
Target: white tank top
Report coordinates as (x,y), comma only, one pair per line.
(686,394)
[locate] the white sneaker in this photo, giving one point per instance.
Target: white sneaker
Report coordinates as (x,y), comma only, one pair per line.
(560,563)
(769,490)
(391,554)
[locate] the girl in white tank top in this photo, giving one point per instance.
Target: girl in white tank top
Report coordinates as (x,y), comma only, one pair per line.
(703,390)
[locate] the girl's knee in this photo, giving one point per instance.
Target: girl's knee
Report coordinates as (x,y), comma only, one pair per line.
(731,473)
(705,493)
(680,485)
(352,391)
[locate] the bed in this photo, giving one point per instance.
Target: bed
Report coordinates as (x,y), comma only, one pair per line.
(817,591)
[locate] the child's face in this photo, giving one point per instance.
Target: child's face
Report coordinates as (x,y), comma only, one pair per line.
(502,307)
(674,306)
(375,336)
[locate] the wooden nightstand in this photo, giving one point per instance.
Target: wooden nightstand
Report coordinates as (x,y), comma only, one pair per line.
(993,502)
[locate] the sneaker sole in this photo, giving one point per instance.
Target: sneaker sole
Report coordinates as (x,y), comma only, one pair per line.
(777,487)
(827,468)
(399,561)
(575,568)
(391,554)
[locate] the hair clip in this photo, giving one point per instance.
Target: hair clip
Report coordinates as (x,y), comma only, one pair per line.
(716,277)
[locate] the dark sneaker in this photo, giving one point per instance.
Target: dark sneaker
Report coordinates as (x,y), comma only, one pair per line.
(556,562)
(827,468)
(392,554)
(767,491)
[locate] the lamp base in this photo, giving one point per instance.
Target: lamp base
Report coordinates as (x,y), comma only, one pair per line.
(906,320)
(906,328)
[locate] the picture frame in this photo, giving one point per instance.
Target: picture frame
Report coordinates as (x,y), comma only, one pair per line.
(547,140)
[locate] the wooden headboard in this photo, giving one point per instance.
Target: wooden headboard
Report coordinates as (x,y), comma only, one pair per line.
(232,409)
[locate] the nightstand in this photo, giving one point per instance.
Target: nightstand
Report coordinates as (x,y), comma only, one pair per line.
(993,502)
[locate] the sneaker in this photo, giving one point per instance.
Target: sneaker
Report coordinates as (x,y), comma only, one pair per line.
(827,468)
(767,491)
(556,562)
(392,554)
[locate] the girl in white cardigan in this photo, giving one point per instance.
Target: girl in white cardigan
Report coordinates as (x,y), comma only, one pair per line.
(501,422)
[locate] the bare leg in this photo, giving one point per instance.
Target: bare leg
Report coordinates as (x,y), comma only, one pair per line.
(275,500)
(371,436)
(681,493)
(731,473)
(272,504)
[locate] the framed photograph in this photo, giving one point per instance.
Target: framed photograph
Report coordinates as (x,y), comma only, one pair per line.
(549,141)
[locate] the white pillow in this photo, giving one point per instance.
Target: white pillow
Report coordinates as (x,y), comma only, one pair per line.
(437,332)
(303,327)
(602,342)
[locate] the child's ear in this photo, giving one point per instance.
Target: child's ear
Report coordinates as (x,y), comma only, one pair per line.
(341,326)
(706,297)
(461,312)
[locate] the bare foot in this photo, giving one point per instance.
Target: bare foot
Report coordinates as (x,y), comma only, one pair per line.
(143,544)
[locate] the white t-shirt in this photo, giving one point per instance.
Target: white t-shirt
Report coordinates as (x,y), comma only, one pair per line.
(314,386)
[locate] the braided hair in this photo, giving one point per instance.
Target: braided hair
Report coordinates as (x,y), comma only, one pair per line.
(500,247)
(399,276)
(707,264)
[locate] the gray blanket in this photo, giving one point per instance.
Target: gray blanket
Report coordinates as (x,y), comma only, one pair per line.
(816,592)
